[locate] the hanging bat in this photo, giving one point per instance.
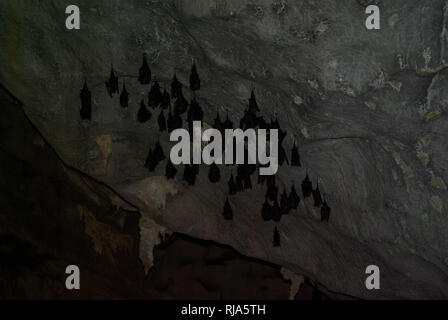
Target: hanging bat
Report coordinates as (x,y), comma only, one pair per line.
(317,197)
(176,88)
(266,210)
(325,212)
(307,186)
(154,96)
(282,158)
(232,185)
(271,192)
(253,106)
(189,175)
(276,242)
(276,214)
(143,114)
(284,205)
(124,97)
(180,105)
(158,152)
(161,121)
(195,82)
(295,157)
(194,113)
(112,83)
(174,121)
(144,73)
(227,212)
(293,198)
(170,170)
(227,124)
(151,161)
(217,124)
(214,174)
(166,100)
(86,103)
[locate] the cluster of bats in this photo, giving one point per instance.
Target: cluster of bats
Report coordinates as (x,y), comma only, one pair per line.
(273,207)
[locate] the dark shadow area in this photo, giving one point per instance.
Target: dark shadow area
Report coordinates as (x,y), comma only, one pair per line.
(52,217)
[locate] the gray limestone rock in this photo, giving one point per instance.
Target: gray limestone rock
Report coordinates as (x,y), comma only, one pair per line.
(368,109)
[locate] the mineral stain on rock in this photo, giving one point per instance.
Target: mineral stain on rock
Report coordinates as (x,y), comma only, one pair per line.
(104,142)
(153,191)
(437,203)
(438,183)
(105,240)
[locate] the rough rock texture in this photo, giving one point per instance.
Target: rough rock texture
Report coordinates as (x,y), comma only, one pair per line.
(367,107)
(53,216)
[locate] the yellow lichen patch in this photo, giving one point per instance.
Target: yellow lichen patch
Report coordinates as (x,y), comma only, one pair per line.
(405,169)
(153,191)
(298,100)
(349,91)
(313,84)
(104,142)
(370,105)
(396,85)
(305,132)
(423,157)
(419,147)
(151,234)
(432,115)
(436,203)
(438,183)
(427,71)
(106,241)
(394,175)
(426,140)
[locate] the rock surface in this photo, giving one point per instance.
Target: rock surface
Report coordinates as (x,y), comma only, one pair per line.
(368,109)
(53,216)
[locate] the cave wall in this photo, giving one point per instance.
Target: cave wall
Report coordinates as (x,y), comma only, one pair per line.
(53,216)
(366,107)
